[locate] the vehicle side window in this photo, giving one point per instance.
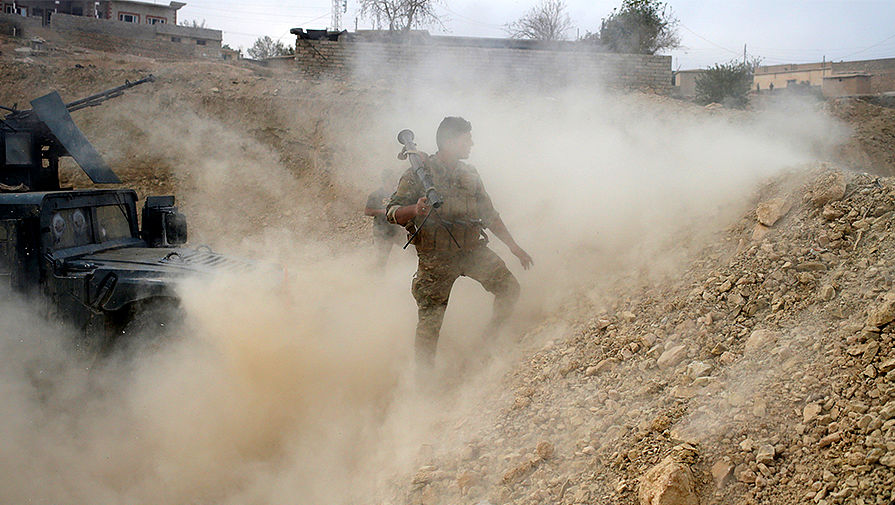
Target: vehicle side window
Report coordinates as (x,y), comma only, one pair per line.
(18,149)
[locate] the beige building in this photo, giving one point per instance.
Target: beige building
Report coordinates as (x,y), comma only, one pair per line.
(782,76)
(128,26)
(685,82)
(846,85)
(864,76)
(128,11)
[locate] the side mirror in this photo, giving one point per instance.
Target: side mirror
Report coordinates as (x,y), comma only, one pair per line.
(163,225)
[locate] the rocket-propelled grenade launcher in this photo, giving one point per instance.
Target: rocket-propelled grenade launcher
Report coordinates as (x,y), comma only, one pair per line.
(405,137)
(433,199)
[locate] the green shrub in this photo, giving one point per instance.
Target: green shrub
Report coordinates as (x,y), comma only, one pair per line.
(725,83)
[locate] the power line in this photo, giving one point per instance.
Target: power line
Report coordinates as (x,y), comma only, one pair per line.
(870,47)
(784,55)
(232,32)
(707,40)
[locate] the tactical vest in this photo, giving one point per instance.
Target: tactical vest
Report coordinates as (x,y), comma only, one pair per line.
(460,212)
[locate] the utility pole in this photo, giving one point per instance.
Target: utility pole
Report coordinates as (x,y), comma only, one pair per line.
(744,54)
(337,15)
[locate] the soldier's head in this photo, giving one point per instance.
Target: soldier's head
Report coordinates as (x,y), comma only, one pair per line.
(454,137)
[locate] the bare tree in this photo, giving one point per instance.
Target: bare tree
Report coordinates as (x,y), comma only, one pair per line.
(545,21)
(401,14)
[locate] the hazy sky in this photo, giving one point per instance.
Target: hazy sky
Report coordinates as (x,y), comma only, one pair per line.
(778,31)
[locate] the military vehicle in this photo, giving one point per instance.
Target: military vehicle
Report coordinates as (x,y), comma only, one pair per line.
(81,252)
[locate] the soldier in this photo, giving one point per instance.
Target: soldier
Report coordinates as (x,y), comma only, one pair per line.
(385,234)
(452,243)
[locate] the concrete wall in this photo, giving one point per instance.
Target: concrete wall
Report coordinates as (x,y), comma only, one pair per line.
(144,40)
(44,9)
(13,24)
(539,67)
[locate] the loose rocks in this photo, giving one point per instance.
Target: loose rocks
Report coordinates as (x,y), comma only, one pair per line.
(672,356)
(884,313)
(828,188)
(760,339)
(810,412)
(765,454)
(771,211)
(668,483)
(722,473)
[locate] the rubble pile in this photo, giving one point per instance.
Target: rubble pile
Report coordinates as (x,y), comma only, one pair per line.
(872,146)
(762,375)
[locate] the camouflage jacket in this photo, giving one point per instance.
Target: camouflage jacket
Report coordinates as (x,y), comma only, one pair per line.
(466,211)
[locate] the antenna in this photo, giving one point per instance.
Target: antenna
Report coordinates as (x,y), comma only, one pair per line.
(337,15)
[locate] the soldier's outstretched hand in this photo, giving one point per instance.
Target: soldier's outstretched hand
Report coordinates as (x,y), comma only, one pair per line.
(523,256)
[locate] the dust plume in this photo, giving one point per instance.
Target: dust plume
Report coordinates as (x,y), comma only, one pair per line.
(301,390)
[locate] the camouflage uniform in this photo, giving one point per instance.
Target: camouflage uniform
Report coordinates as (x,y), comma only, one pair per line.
(466,211)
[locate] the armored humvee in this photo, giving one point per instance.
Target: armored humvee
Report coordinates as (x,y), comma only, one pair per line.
(80,253)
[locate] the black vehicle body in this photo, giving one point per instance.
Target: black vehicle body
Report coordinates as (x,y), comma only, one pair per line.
(80,253)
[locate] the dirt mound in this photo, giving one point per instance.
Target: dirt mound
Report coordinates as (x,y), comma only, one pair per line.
(144,137)
(768,365)
(872,147)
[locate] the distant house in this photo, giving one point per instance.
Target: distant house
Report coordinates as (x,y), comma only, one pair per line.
(846,85)
(782,76)
(685,82)
(128,11)
(858,77)
(127,26)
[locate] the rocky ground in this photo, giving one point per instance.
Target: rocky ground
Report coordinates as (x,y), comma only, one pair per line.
(870,149)
(762,374)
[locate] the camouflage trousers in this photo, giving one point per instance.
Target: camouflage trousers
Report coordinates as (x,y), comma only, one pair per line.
(432,285)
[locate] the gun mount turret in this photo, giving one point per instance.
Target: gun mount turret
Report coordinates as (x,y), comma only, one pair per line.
(80,253)
(33,140)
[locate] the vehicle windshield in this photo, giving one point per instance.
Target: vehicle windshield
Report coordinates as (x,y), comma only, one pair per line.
(112,223)
(81,226)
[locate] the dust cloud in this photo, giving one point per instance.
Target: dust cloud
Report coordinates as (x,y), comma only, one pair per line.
(301,390)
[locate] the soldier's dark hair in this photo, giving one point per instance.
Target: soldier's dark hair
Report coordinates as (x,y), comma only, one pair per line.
(451,127)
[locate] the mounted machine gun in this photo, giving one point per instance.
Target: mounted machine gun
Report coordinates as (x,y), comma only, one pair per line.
(33,140)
